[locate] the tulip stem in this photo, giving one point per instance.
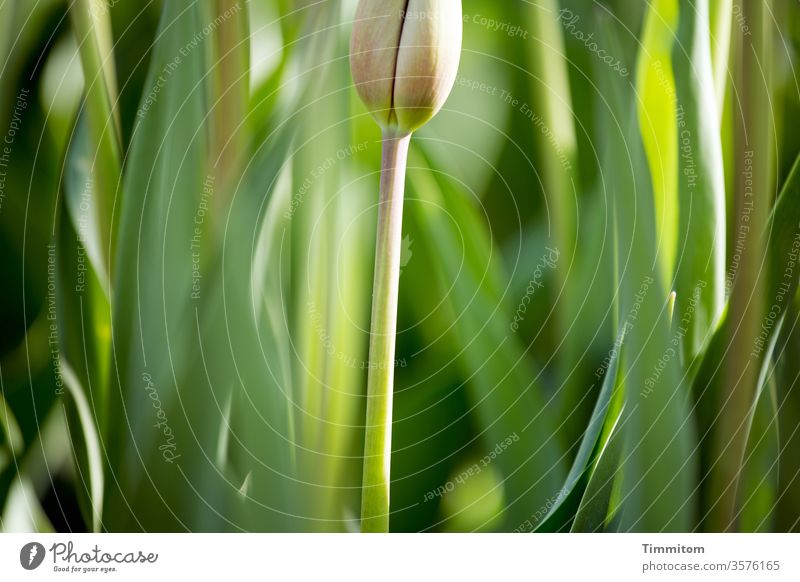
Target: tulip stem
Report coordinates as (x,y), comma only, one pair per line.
(380,382)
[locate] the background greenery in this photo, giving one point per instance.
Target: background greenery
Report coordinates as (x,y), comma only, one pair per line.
(187,225)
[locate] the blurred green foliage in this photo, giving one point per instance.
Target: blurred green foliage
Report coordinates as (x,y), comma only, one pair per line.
(187,220)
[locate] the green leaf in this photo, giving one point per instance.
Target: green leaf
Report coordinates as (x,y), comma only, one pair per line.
(659,472)
(82,318)
(12,437)
(88,449)
(783,247)
(787,507)
(503,385)
(657,119)
(721,24)
(760,470)
(23,513)
(257,353)
(592,448)
(166,420)
(783,243)
(597,505)
(324,225)
(700,268)
(91,23)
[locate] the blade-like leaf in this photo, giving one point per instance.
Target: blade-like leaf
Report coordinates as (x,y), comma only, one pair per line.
(658,466)
(92,26)
(502,385)
(783,246)
(596,508)
(88,449)
(657,120)
(165,428)
(591,449)
(700,260)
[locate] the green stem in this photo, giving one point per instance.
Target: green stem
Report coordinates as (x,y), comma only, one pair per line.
(231,83)
(753,197)
(378,438)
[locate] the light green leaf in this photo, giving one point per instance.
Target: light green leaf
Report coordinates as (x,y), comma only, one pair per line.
(700,260)
(655,84)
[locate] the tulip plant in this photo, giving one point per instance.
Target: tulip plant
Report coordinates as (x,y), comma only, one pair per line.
(404,58)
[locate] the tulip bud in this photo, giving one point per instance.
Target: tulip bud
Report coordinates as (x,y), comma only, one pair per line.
(404,57)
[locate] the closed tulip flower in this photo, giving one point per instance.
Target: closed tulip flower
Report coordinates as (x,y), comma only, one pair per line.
(404,57)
